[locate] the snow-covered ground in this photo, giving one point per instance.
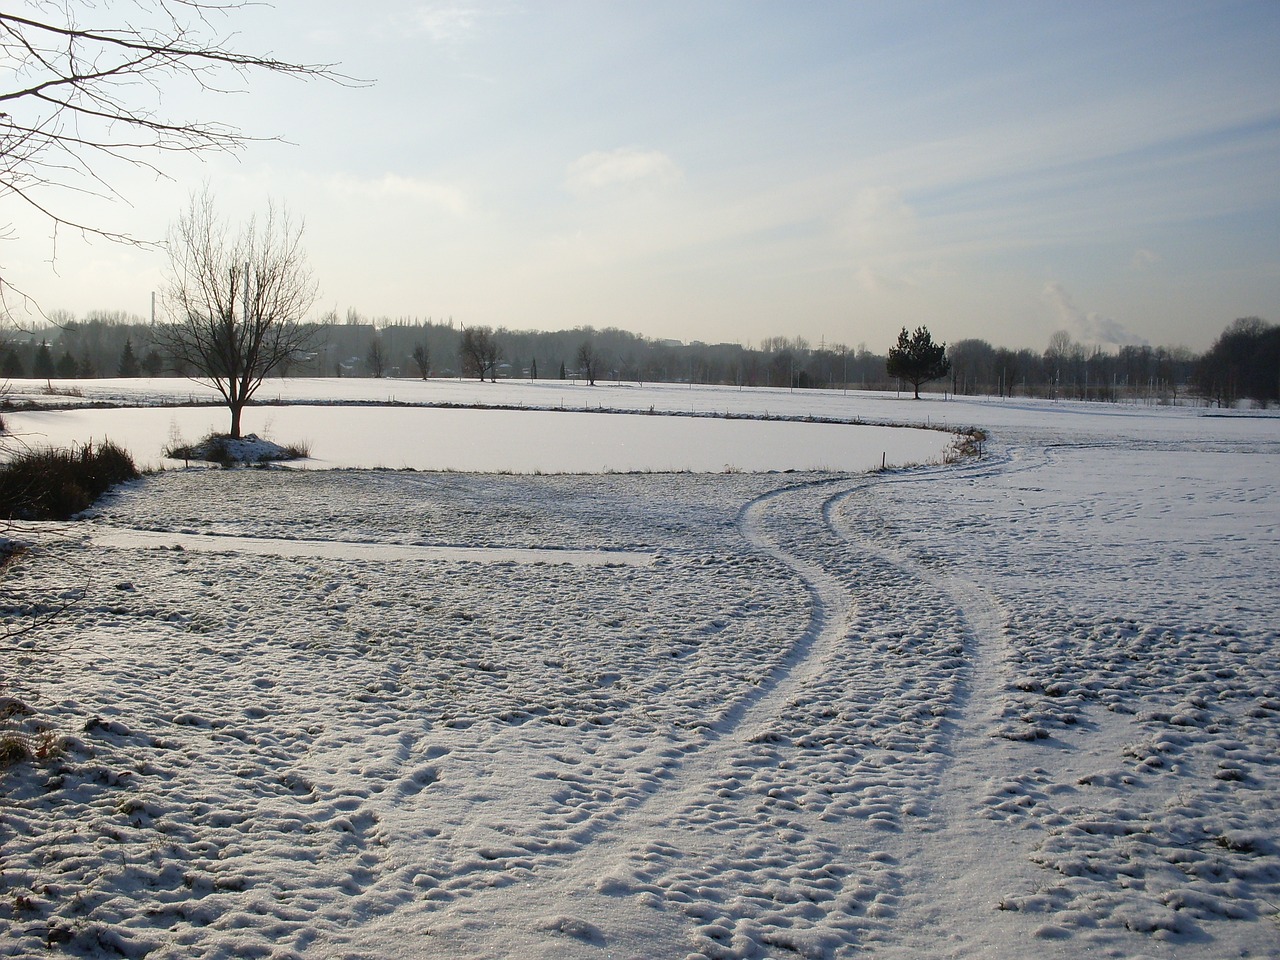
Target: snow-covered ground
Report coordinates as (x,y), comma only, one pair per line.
(1027,705)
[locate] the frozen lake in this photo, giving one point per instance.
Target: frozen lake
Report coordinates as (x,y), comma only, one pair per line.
(520,441)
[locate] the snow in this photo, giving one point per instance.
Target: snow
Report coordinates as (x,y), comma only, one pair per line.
(1022,705)
(247,449)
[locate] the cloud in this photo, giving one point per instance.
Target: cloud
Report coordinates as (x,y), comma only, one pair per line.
(879,217)
(391,186)
(445,22)
(880,232)
(626,166)
(1143,258)
(1088,327)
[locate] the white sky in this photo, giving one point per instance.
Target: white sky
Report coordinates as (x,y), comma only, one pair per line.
(737,170)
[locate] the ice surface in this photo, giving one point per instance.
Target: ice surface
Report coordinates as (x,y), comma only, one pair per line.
(1021,706)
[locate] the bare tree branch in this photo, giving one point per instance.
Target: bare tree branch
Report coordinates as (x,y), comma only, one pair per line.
(74,96)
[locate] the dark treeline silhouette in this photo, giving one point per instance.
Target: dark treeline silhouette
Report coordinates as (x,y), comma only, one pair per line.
(1071,370)
(1244,363)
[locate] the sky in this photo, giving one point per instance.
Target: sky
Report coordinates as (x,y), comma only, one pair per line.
(731,171)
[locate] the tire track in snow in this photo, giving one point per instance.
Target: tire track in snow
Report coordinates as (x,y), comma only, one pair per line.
(748,719)
(598,858)
(955,876)
(581,872)
(605,844)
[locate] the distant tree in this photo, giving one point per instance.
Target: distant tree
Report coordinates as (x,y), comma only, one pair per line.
(376,358)
(87,370)
(972,366)
(422,359)
(588,361)
(44,367)
(562,371)
(153,363)
(917,359)
(1243,362)
(67,367)
(1005,370)
(1065,363)
(128,366)
(533,369)
(1060,347)
(236,302)
(11,365)
(478,353)
(782,369)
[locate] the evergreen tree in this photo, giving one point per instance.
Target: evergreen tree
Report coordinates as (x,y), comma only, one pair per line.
(128,366)
(153,363)
(67,367)
(917,359)
(44,367)
(533,369)
(11,366)
(562,376)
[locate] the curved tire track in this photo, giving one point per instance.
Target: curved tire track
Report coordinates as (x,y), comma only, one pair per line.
(607,843)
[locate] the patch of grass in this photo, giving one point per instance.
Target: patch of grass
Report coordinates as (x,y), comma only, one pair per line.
(16,748)
(54,484)
(970,443)
(49,390)
(24,737)
(13,750)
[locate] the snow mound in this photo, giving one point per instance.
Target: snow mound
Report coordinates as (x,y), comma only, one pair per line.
(247,449)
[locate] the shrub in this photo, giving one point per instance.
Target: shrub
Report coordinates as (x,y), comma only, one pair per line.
(57,484)
(13,750)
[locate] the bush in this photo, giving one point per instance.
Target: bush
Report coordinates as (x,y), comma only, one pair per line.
(57,484)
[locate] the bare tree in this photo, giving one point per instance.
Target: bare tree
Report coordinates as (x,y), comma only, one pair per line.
(588,361)
(236,302)
(422,359)
(84,88)
(376,357)
(478,352)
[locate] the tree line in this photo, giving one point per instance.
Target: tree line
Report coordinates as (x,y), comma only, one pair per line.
(1243,363)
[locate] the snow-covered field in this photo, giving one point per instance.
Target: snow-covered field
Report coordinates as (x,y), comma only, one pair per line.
(1027,705)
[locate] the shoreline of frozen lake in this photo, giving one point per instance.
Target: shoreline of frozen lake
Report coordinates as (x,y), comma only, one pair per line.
(490,440)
